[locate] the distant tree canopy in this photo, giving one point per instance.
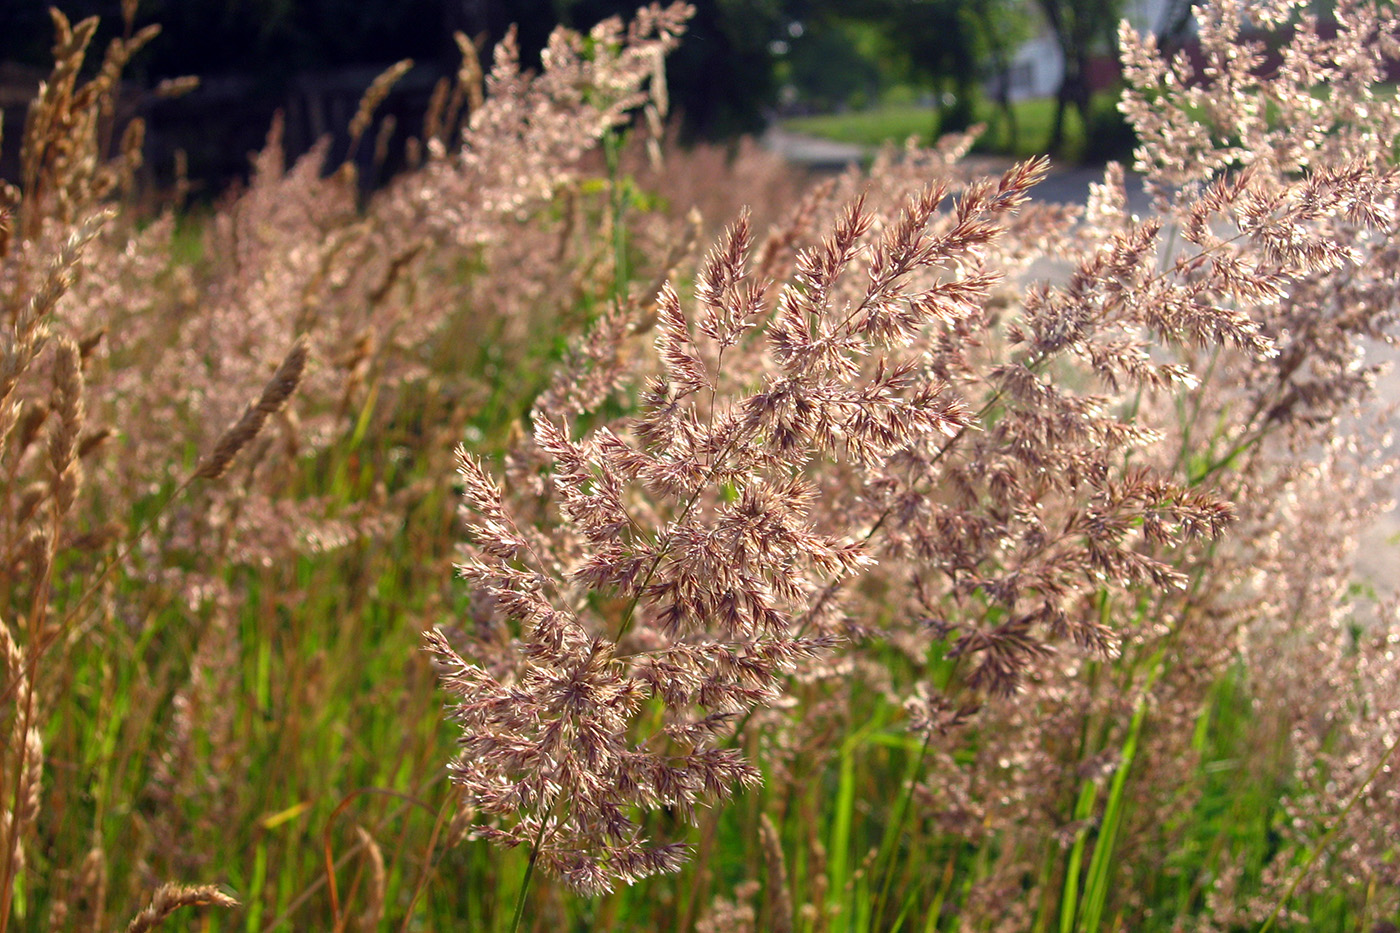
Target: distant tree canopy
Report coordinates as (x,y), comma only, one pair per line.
(946,46)
(721,79)
(831,63)
(274,38)
(724,79)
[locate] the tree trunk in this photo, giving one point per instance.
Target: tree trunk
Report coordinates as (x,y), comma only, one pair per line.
(1057,129)
(1055,16)
(1008,114)
(1073,92)
(1002,64)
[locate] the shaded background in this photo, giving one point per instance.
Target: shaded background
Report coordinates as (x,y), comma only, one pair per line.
(312,59)
(740,62)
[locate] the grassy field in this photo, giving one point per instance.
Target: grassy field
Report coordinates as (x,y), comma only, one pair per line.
(668,540)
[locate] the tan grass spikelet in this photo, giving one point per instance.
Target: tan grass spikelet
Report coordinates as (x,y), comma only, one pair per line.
(372,914)
(378,90)
(779,898)
(48,127)
(274,395)
(91,886)
(22,757)
(387,127)
(65,429)
(22,336)
(416,148)
(171,897)
(169,88)
(470,74)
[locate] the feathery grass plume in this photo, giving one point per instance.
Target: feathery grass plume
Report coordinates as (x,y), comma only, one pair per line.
(52,129)
(1269,268)
(171,897)
(527,128)
(693,522)
(274,395)
(1030,481)
(185,348)
(27,326)
(296,253)
(63,168)
(31,545)
(732,916)
(1066,491)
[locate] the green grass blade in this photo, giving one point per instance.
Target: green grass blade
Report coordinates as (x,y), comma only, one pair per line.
(1069,897)
(1100,863)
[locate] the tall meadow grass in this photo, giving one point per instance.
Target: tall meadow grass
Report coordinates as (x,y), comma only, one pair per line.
(583,533)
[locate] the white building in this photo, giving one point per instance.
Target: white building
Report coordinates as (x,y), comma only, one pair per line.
(1037,66)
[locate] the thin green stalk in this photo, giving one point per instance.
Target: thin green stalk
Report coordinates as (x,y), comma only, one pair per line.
(1188,423)
(1069,898)
(1100,864)
(935,910)
(891,841)
(530,868)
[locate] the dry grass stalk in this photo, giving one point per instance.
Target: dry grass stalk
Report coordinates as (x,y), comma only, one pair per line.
(779,909)
(172,897)
(470,74)
(25,330)
(274,395)
(21,760)
(378,90)
(63,165)
(67,400)
(372,914)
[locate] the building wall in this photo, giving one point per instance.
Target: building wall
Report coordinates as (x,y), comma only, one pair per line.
(1037,66)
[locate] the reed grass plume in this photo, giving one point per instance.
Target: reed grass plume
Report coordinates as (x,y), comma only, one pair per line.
(909,440)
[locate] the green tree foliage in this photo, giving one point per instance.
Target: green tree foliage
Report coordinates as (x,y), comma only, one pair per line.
(270,38)
(948,46)
(721,80)
(835,63)
(1000,28)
